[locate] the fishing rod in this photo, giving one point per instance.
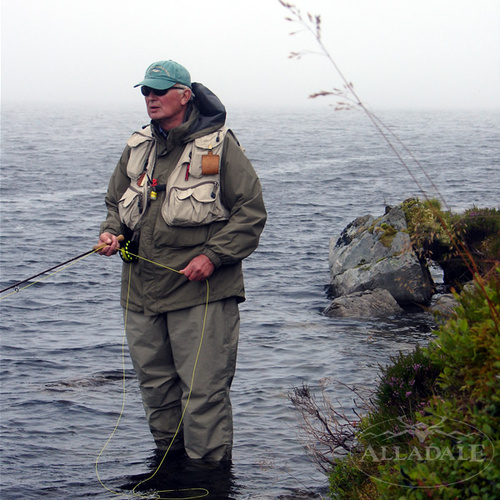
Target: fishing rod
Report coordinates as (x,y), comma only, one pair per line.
(84,254)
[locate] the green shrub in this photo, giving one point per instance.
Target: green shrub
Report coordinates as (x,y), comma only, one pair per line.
(348,481)
(429,227)
(466,413)
(406,383)
(479,229)
(462,244)
(443,416)
(468,344)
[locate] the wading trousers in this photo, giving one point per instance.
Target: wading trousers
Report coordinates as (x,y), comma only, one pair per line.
(175,373)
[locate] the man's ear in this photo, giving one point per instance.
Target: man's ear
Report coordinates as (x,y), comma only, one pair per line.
(186,96)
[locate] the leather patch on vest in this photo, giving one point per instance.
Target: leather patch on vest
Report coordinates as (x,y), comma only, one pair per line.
(210,164)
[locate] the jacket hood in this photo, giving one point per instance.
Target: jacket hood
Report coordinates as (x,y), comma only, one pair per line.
(212,113)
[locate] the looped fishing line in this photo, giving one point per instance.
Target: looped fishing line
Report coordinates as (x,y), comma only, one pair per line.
(202,492)
(155,495)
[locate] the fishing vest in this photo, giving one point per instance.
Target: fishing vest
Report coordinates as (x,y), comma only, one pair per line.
(192,192)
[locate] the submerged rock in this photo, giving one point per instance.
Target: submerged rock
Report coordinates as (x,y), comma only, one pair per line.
(373,254)
(376,303)
(444,305)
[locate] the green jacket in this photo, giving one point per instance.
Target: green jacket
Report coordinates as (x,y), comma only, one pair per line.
(154,289)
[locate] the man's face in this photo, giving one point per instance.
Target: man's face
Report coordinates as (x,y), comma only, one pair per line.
(169,109)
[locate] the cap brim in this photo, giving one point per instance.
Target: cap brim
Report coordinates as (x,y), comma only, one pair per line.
(156,84)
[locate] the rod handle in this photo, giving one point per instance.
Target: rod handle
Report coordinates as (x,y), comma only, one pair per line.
(120,238)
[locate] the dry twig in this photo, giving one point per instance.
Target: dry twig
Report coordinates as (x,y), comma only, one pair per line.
(330,434)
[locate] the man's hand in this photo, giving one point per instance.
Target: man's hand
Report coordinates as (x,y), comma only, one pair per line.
(108,243)
(199,269)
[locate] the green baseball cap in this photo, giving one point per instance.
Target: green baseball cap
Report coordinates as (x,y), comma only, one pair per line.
(162,75)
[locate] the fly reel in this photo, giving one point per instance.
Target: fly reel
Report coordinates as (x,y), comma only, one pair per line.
(129,251)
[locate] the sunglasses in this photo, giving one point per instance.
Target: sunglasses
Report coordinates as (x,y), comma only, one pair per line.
(147,90)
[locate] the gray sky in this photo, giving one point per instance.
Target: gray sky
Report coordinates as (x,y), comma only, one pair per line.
(397,53)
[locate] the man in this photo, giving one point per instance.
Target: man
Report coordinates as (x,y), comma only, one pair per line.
(185,194)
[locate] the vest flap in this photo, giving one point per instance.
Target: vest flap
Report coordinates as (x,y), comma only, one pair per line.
(140,137)
(202,193)
(211,141)
(128,197)
(186,154)
(184,194)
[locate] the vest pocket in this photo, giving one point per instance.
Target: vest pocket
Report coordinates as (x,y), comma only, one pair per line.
(132,206)
(193,205)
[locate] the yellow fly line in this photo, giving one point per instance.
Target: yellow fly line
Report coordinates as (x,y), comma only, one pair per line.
(197,492)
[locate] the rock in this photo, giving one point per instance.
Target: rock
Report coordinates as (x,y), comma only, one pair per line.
(377,253)
(444,305)
(365,304)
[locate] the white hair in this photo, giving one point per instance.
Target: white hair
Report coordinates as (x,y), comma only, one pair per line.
(182,88)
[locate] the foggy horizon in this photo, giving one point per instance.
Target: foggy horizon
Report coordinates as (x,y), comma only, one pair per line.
(417,55)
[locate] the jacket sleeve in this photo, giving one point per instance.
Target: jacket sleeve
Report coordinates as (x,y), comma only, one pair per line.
(242,195)
(118,184)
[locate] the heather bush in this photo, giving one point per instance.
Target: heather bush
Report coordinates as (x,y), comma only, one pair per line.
(439,408)
(466,411)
